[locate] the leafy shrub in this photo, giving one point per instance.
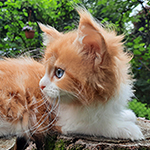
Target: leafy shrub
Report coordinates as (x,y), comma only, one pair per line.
(140,109)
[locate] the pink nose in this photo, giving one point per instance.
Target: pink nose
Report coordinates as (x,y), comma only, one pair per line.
(42,87)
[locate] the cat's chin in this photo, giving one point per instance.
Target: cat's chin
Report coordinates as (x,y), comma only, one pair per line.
(63,98)
(67,99)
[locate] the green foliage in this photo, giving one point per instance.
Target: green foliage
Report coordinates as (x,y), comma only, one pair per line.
(15,14)
(140,109)
(139,44)
(53,142)
(50,142)
(60,145)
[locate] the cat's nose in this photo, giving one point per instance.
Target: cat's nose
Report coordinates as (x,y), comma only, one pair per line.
(42,87)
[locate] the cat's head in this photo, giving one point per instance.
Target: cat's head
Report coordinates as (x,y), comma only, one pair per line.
(84,65)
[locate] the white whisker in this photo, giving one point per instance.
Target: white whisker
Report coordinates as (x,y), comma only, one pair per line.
(41,104)
(35,126)
(54,106)
(78,94)
(55,119)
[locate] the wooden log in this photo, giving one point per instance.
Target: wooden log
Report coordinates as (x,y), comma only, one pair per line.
(8,143)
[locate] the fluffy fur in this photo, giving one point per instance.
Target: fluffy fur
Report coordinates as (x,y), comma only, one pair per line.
(23,110)
(88,69)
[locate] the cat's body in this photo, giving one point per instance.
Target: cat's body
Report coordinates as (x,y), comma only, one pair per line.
(89,71)
(23,110)
(110,120)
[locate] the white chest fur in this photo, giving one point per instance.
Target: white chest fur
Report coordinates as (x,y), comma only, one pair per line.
(112,120)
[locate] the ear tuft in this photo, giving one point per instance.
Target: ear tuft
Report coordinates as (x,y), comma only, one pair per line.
(89,36)
(50,33)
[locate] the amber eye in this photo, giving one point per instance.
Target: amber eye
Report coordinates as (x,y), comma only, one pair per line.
(59,73)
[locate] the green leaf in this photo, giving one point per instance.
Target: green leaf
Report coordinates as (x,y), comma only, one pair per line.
(6,26)
(129,43)
(141,29)
(136,52)
(1,4)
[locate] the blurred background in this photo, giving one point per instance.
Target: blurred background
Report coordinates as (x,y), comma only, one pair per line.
(21,35)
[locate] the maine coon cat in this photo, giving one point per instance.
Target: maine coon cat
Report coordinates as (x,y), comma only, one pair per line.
(88,69)
(23,109)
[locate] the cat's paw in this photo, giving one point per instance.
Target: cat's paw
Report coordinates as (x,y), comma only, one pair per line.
(128,115)
(129,127)
(131,131)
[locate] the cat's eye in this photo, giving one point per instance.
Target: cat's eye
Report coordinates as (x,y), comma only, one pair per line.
(59,73)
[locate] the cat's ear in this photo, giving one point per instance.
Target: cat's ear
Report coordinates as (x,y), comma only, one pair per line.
(50,34)
(90,37)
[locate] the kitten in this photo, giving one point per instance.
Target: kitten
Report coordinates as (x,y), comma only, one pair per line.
(23,109)
(89,71)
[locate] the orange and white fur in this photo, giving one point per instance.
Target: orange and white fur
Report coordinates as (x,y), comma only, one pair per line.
(23,109)
(88,69)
